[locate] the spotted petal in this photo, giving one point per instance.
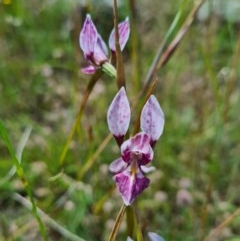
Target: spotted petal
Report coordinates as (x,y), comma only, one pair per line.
(118,115)
(152,119)
(124,32)
(130,185)
(137,147)
(88,37)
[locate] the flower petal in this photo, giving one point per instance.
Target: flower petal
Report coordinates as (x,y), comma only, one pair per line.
(129,239)
(137,147)
(152,119)
(88,37)
(117,166)
(154,237)
(130,185)
(124,32)
(89,69)
(100,51)
(146,169)
(118,115)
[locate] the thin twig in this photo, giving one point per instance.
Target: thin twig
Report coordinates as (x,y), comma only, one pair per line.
(162,57)
(226,222)
(120,68)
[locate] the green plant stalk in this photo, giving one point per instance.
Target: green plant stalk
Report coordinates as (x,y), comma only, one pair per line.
(120,66)
(22,177)
(87,93)
(137,227)
(117,224)
(135,42)
(130,221)
(133,226)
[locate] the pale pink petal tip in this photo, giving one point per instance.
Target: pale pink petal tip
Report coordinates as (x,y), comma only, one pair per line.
(118,116)
(152,119)
(124,32)
(154,237)
(88,37)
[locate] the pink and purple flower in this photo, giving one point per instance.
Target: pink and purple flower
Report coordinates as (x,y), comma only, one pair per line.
(95,49)
(137,151)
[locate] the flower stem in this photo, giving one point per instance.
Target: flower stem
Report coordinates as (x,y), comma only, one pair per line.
(117,223)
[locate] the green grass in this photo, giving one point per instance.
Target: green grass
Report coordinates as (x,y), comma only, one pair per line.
(41,87)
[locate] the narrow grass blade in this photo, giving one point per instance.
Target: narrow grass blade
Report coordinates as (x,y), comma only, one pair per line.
(51,222)
(117,224)
(215,232)
(23,143)
(120,68)
(22,177)
(166,50)
(135,43)
(93,157)
(172,29)
(19,151)
(87,93)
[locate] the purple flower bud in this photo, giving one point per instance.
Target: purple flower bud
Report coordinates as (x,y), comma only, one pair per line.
(118,116)
(152,119)
(124,32)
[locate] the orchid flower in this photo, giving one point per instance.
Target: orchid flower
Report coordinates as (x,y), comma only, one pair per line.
(137,151)
(95,49)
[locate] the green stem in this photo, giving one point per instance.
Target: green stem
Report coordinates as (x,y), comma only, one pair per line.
(117,224)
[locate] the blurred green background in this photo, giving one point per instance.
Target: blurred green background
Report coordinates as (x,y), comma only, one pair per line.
(196,183)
